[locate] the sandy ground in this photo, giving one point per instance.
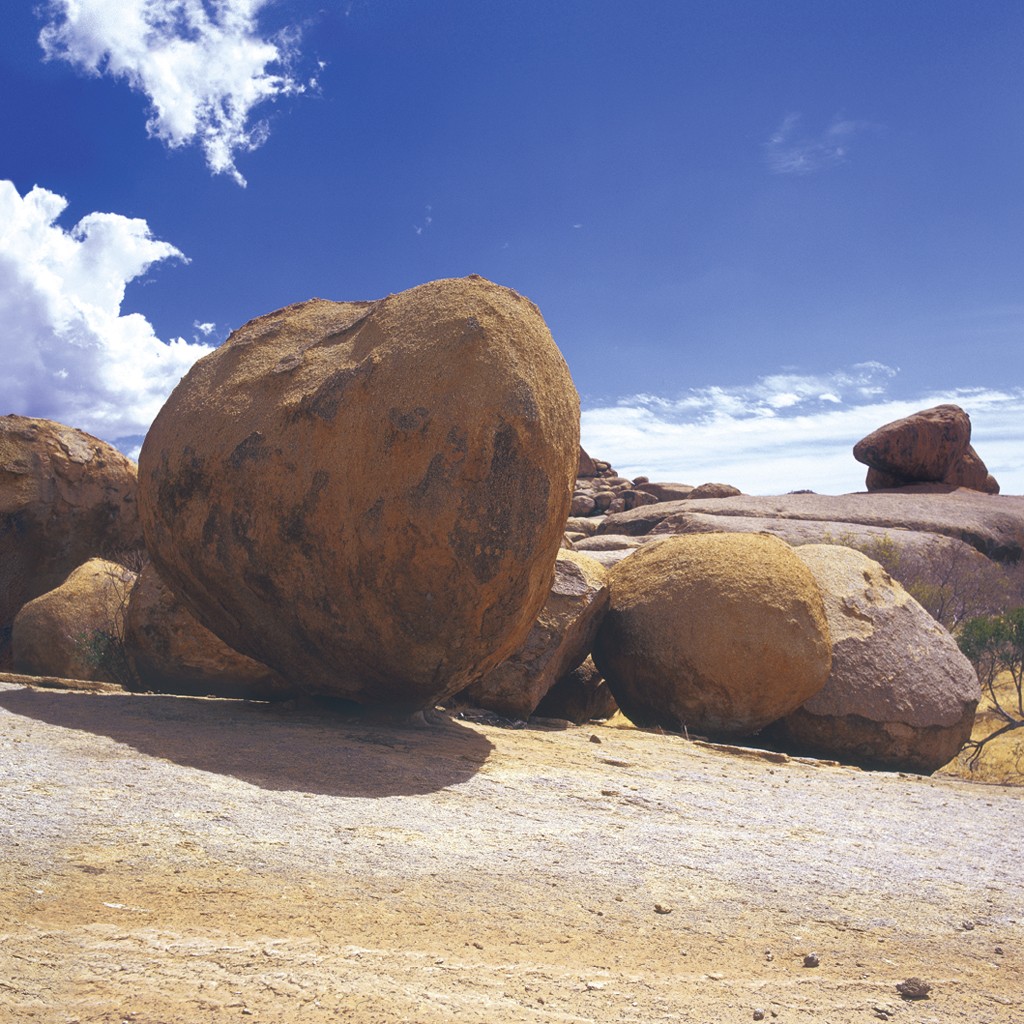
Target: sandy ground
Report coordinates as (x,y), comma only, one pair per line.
(177,861)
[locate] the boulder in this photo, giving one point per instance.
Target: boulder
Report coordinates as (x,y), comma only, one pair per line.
(713,634)
(666,491)
(170,652)
(558,642)
(65,497)
(930,446)
(582,505)
(586,466)
(582,524)
(712,490)
(900,693)
(918,448)
(368,497)
(581,696)
(634,498)
(76,631)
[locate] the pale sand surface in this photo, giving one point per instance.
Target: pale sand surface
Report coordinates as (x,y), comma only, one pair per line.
(176,860)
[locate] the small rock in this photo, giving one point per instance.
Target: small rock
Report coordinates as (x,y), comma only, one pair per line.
(914,988)
(595,986)
(595,739)
(999,951)
(812,960)
(478,945)
(769,955)
(968,925)
(759,1015)
(660,908)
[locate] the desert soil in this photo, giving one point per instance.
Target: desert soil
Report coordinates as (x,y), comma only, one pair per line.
(177,861)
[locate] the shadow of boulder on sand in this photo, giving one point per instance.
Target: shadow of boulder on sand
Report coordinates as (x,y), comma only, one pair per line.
(268,745)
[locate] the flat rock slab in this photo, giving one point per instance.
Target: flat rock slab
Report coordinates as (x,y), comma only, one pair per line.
(804,531)
(181,859)
(993,524)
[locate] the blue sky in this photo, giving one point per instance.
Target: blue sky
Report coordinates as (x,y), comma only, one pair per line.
(757,230)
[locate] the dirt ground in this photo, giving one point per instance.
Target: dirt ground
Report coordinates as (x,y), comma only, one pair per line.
(178,861)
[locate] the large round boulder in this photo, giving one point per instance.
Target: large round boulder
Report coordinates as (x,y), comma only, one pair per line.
(170,652)
(65,497)
(76,631)
(369,497)
(716,634)
(558,642)
(900,693)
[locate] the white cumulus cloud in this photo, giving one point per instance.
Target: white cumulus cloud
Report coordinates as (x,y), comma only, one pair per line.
(203,65)
(788,431)
(69,354)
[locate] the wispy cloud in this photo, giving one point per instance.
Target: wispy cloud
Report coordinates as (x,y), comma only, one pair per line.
(788,430)
(203,65)
(793,150)
(428,219)
(68,351)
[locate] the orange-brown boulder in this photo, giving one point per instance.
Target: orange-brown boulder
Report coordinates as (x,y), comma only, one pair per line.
(369,497)
(76,631)
(170,652)
(65,497)
(930,446)
(917,448)
(900,693)
(559,640)
(717,634)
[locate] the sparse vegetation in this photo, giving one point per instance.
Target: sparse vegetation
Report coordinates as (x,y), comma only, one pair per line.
(994,644)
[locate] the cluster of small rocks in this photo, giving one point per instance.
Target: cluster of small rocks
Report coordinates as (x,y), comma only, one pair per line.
(601,491)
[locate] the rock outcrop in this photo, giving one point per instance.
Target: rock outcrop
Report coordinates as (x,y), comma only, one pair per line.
(65,497)
(712,490)
(718,634)
(995,528)
(900,693)
(76,631)
(559,641)
(170,652)
(930,446)
(581,696)
(600,490)
(369,497)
